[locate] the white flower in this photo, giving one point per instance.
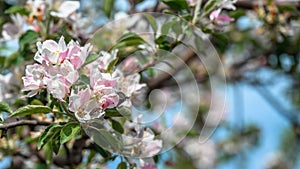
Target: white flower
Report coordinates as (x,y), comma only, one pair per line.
(66,9)
(13,30)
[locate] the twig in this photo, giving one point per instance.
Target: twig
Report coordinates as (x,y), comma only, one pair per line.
(23,123)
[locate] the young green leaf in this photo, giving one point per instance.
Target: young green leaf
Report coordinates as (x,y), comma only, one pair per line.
(128,39)
(111,65)
(69,131)
(31,109)
(17,9)
(48,153)
(103,138)
(112,113)
(125,112)
(108,6)
(166,27)
(117,126)
(4,107)
(55,142)
(152,22)
(47,134)
(105,154)
(11,59)
(91,58)
(177,4)
(28,38)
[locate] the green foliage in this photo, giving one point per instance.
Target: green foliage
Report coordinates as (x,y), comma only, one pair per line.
(117,126)
(108,6)
(47,136)
(166,27)
(111,65)
(4,107)
(177,4)
(210,6)
(11,59)
(28,38)
(91,58)
(152,22)
(31,109)
(55,142)
(69,131)
(48,153)
(17,9)
(128,39)
(102,137)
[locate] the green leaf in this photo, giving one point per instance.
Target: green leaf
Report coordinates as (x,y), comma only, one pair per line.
(11,59)
(50,131)
(55,142)
(103,138)
(122,165)
(111,65)
(48,153)
(166,27)
(28,38)
(31,109)
(177,28)
(91,58)
(288,8)
(117,126)
(105,154)
(17,9)
(128,39)
(125,111)
(108,6)
(177,4)
(36,102)
(210,6)
(69,131)
(4,107)
(152,22)
(112,113)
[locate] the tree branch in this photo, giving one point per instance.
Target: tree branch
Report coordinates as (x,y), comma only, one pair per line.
(23,123)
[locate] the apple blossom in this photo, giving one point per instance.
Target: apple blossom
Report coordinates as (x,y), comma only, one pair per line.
(13,30)
(58,87)
(66,9)
(77,54)
(57,69)
(34,79)
(37,8)
(220,18)
(106,59)
(129,84)
(77,101)
(103,88)
(130,64)
(228,4)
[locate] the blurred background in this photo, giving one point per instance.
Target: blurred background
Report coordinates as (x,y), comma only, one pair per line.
(260,52)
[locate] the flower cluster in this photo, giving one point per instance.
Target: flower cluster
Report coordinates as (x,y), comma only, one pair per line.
(58,69)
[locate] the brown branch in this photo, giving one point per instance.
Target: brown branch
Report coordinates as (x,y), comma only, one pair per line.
(162,77)
(23,123)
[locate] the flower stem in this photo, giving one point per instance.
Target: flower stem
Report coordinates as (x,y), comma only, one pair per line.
(197,11)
